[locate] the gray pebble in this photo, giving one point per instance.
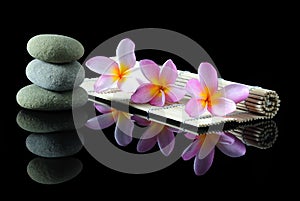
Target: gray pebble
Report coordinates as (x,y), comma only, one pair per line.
(53,145)
(55,48)
(56,77)
(53,171)
(46,122)
(36,98)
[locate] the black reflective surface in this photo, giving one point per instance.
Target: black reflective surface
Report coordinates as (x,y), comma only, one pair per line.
(241,54)
(54,156)
(145,136)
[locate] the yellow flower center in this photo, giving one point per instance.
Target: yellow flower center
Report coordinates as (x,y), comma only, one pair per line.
(122,71)
(205,97)
(201,138)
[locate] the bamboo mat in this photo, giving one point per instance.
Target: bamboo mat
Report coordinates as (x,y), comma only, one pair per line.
(261,104)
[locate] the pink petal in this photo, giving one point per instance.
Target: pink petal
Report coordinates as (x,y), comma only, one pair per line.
(103,108)
(166,141)
(150,70)
(101,65)
(235,92)
(193,88)
(208,144)
(130,83)
(169,63)
(137,73)
(174,93)
(141,121)
(100,122)
(152,131)
(201,166)
(145,93)
(105,82)
(191,150)
(142,81)
(194,107)
(226,139)
(168,73)
(236,149)
(146,144)
(121,138)
(221,106)
(159,99)
(125,53)
(208,77)
(124,123)
(174,130)
(190,136)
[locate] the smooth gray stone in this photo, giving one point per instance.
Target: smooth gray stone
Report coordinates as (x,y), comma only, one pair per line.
(56,77)
(36,98)
(55,48)
(54,145)
(46,122)
(53,171)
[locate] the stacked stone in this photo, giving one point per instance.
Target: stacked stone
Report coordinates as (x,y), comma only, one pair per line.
(55,74)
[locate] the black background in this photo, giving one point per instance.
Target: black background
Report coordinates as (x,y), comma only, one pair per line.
(248,46)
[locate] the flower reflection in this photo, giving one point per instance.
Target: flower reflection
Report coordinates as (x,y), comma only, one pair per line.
(163,135)
(231,142)
(124,124)
(155,132)
(203,149)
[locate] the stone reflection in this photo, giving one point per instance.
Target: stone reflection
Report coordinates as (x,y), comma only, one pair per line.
(52,137)
(53,145)
(54,170)
(47,122)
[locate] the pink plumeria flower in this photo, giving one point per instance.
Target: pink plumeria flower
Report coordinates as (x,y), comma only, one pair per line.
(205,94)
(124,124)
(161,88)
(203,149)
(163,135)
(121,74)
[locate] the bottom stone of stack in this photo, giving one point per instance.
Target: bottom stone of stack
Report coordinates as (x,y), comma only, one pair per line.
(36,98)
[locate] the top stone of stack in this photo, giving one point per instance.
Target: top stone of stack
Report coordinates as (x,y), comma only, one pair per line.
(55,48)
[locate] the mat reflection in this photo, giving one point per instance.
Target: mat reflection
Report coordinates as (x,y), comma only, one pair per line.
(232,141)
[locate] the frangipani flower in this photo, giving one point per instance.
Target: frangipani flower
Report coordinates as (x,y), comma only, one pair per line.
(162,87)
(122,74)
(205,94)
(203,149)
(163,135)
(124,124)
